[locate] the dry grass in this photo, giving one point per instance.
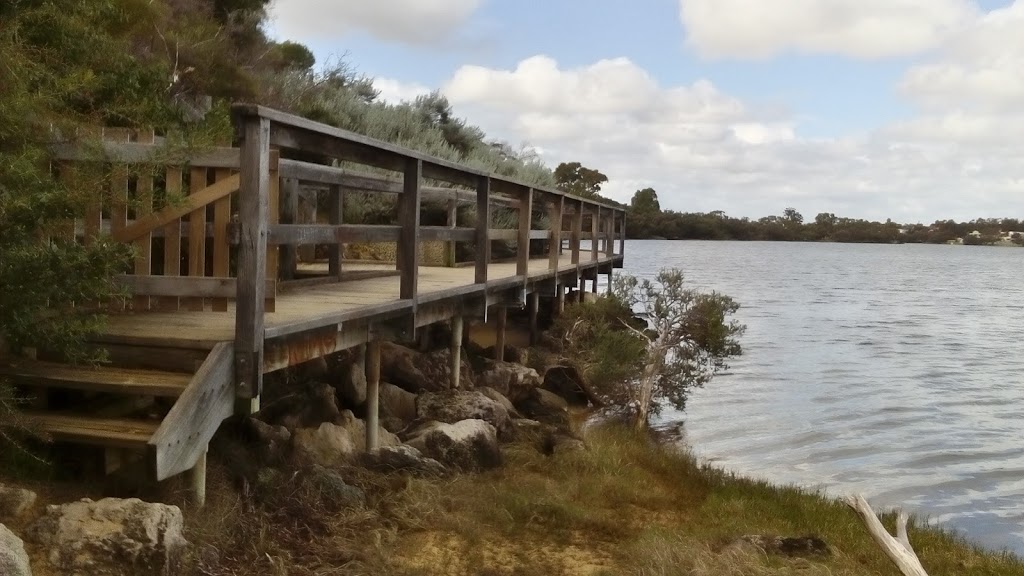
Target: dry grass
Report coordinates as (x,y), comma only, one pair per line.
(625,507)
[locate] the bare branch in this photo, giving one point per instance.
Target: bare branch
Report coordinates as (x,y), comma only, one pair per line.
(897,549)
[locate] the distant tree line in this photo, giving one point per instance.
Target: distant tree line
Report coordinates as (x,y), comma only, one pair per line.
(646,219)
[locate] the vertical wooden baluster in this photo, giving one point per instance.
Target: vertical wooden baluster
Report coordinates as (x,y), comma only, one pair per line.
(595,232)
(273,217)
(409,235)
(172,239)
(144,206)
(221,248)
(196,237)
(118,196)
(577,233)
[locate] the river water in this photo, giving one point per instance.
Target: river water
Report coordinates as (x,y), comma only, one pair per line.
(894,371)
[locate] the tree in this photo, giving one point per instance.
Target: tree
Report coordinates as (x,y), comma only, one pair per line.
(680,340)
(792,217)
(575,178)
(645,201)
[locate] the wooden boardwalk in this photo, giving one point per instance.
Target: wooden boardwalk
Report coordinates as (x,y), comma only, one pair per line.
(219,293)
(313,307)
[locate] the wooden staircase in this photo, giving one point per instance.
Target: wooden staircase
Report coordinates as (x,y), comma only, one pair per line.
(172,442)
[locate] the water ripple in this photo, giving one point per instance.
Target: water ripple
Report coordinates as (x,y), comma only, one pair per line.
(888,370)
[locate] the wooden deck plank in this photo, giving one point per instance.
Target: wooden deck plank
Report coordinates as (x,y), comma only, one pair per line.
(117,433)
(304,306)
(98,378)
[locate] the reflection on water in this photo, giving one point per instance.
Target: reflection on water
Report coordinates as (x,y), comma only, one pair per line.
(890,370)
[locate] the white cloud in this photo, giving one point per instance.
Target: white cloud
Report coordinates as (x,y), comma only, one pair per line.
(706,150)
(395,91)
(856,28)
(980,69)
(408,21)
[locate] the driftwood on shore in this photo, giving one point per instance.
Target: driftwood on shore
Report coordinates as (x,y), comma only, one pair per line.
(898,549)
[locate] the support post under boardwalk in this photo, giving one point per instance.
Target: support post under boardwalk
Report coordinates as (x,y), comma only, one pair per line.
(372,362)
(561,298)
(253,202)
(499,334)
(534,308)
(593,287)
(197,481)
(456,351)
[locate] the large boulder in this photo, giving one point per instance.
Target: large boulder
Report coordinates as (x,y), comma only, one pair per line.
(351,382)
(566,382)
(332,488)
(15,501)
(308,408)
(500,399)
(469,445)
(452,407)
(331,444)
(272,442)
(403,458)
(545,407)
(514,381)
(416,372)
(111,537)
(13,558)
(397,402)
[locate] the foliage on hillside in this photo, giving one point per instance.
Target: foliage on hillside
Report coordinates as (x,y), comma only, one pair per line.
(171,65)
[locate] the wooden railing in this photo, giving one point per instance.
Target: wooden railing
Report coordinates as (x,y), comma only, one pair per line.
(177,217)
(264,130)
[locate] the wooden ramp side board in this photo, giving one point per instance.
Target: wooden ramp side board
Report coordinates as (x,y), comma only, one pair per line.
(187,429)
(109,432)
(97,379)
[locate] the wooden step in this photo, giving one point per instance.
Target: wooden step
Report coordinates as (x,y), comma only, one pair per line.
(110,432)
(97,378)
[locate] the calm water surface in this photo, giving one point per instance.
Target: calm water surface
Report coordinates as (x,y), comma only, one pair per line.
(896,371)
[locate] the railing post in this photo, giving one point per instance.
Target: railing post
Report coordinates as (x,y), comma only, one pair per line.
(595,231)
(254,194)
(336,217)
(449,247)
(622,235)
(577,232)
(609,242)
(525,218)
(555,216)
(289,212)
(483,229)
(409,236)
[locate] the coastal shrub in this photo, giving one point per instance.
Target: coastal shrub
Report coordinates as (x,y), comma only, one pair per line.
(650,342)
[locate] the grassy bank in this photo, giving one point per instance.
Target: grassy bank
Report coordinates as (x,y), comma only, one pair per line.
(624,507)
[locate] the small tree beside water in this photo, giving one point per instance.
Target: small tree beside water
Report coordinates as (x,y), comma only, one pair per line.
(651,341)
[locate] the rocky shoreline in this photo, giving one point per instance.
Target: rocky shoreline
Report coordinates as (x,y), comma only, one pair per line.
(311,425)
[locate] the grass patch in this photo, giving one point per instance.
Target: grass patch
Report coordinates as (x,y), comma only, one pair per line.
(627,506)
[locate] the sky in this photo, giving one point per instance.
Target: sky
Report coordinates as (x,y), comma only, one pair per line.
(905,109)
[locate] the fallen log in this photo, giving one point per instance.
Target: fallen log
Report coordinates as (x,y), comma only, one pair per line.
(898,549)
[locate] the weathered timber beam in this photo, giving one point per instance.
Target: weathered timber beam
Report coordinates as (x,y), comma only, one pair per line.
(142,226)
(299,234)
(185,286)
(447,234)
(208,400)
(142,153)
(290,131)
(503,234)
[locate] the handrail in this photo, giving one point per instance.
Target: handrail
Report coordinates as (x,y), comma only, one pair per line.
(445,170)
